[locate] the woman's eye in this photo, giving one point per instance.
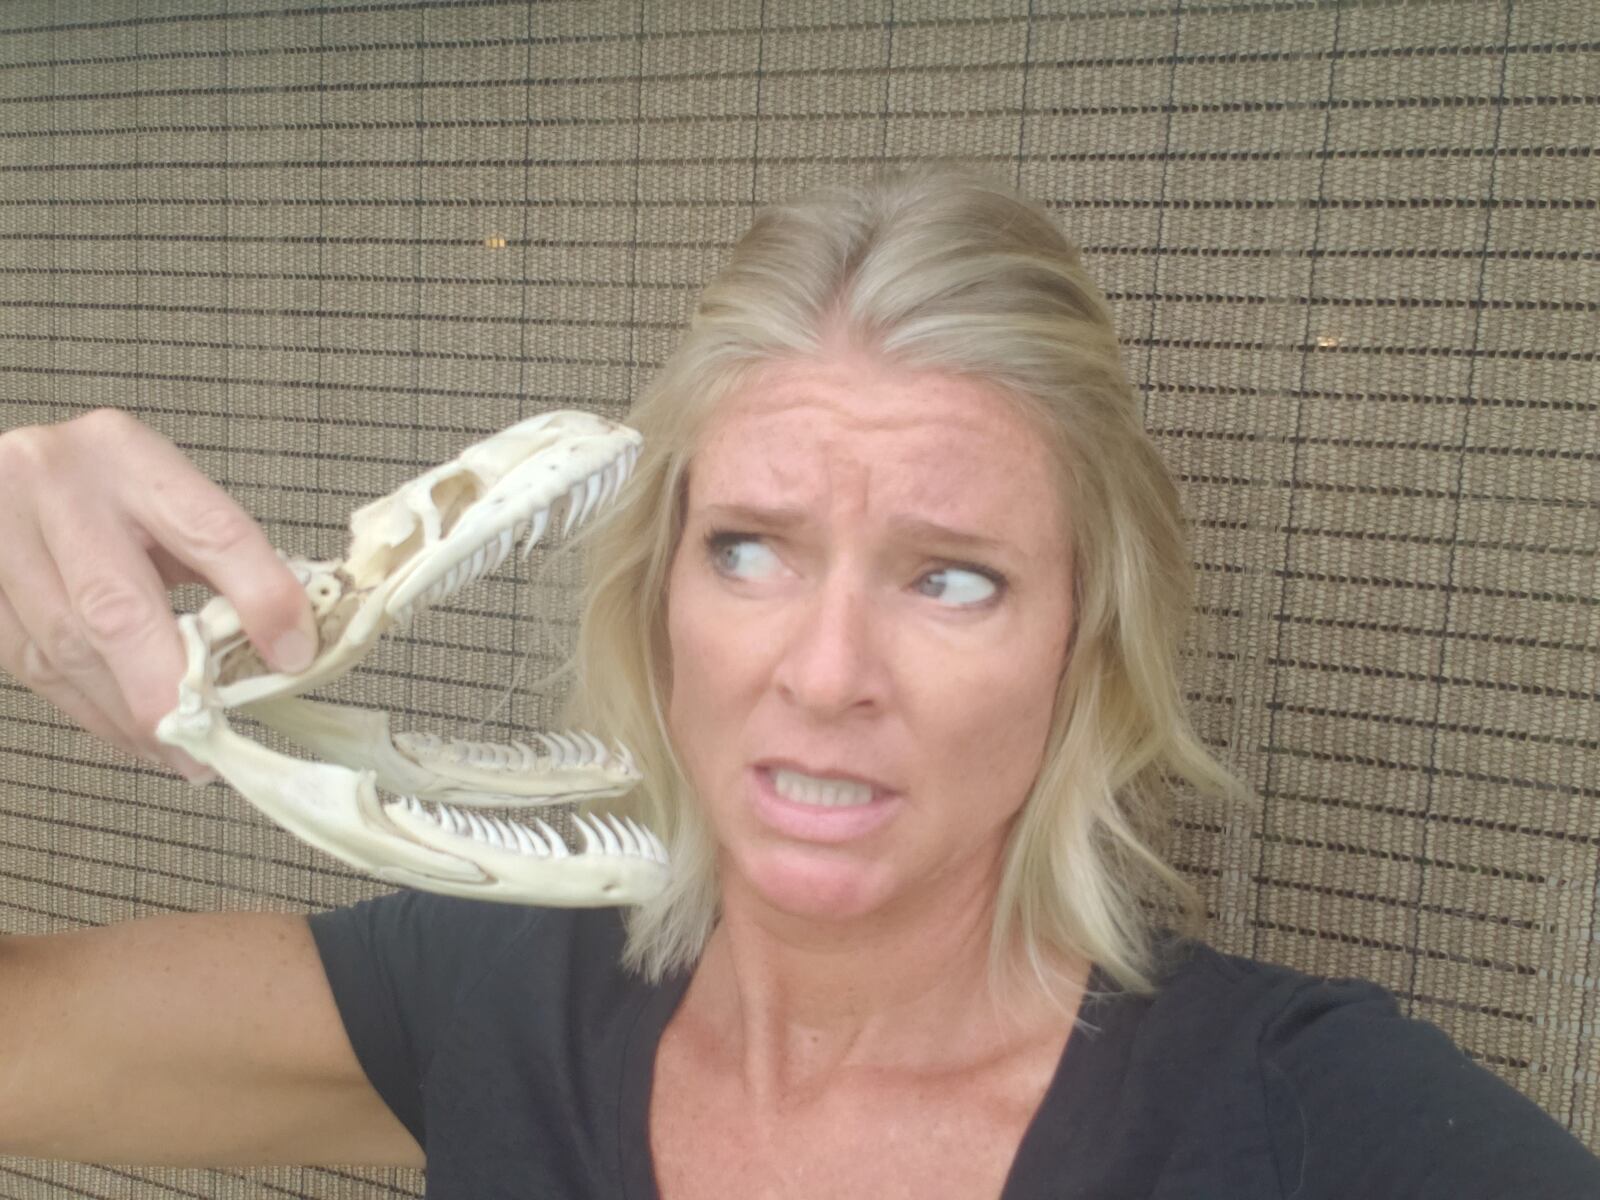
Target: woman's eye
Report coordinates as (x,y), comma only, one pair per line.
(741,557)
(958,586)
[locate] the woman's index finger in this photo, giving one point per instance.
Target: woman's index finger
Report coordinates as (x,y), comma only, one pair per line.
(194,521)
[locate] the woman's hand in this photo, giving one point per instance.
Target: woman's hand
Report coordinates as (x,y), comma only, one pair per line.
(99,516)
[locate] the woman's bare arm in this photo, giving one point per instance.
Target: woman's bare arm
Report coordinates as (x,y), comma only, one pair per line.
(184,1040)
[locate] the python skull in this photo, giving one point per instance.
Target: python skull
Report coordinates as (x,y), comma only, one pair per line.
(442,531)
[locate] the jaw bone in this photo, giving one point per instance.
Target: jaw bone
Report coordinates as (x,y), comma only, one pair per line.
(409,550)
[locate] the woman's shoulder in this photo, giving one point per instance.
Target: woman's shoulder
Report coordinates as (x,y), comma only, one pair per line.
(1205,989)
(440,951)
(1347,1094)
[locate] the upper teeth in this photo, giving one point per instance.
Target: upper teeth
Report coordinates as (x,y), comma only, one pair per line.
(584,499)
(808,789)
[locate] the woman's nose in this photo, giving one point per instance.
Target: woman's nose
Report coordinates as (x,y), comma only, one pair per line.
(831,661)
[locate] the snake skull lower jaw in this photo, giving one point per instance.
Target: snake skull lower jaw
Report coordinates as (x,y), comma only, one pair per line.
(437,534)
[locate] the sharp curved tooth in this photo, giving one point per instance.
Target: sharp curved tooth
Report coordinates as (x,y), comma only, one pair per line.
(525,755)
(450,818)
(597,748)
(593,489)
(541,522)
(641,836)
(624,837)
(492,833)
(502,547)
(475,825)
(409,804)
(552,751)
(570,754)
(528,842)
(579,748)
(574,498)
(558,845)
(608,839)
(626,756)
(508,836)
(474,567)
(610,482)
(481,563)
(655,843)
(593,843)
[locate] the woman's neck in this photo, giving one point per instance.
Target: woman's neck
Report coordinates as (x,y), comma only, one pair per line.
(796,1001)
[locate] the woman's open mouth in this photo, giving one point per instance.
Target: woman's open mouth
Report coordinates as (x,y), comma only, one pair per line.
(819,808)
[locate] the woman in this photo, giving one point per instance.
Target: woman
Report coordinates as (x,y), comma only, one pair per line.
(890,619)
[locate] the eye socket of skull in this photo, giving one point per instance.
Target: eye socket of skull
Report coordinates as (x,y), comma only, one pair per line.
(452,496)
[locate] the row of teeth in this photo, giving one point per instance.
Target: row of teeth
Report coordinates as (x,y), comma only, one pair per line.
(588,496)
(829,793)
(584,499)
(561,750)
(607,835)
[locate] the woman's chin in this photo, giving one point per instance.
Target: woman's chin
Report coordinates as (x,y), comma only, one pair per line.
(815,883)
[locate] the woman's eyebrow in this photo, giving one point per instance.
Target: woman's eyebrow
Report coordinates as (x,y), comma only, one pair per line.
(761,516)
(912,529)
(920,529)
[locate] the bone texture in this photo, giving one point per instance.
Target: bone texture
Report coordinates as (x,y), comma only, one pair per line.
(413,549)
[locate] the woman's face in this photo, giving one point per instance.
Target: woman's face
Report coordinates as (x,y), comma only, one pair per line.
(868,614)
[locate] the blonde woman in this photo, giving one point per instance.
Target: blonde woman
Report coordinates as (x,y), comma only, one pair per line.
(890,617)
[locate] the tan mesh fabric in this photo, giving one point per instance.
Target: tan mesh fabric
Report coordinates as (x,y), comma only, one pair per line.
(1351,248)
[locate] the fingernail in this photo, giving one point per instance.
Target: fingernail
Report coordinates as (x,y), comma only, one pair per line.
(293,652)
(200,776)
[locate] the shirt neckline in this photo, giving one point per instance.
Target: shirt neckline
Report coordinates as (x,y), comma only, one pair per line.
(1064,1121)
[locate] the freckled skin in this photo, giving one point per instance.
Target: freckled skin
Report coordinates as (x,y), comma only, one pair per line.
(829,651)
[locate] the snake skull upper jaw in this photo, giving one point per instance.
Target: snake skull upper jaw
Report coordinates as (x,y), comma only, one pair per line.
(438,533)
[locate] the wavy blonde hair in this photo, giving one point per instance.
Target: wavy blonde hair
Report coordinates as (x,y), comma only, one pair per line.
(936,268)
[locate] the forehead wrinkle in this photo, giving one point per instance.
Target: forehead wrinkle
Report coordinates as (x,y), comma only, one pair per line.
(933,448)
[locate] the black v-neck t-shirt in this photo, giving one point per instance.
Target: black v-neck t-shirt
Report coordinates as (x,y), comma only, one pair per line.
(519,1053)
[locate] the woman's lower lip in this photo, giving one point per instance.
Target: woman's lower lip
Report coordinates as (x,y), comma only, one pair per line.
(817,822)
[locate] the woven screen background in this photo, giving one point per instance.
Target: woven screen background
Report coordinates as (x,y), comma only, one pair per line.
(1351,249)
